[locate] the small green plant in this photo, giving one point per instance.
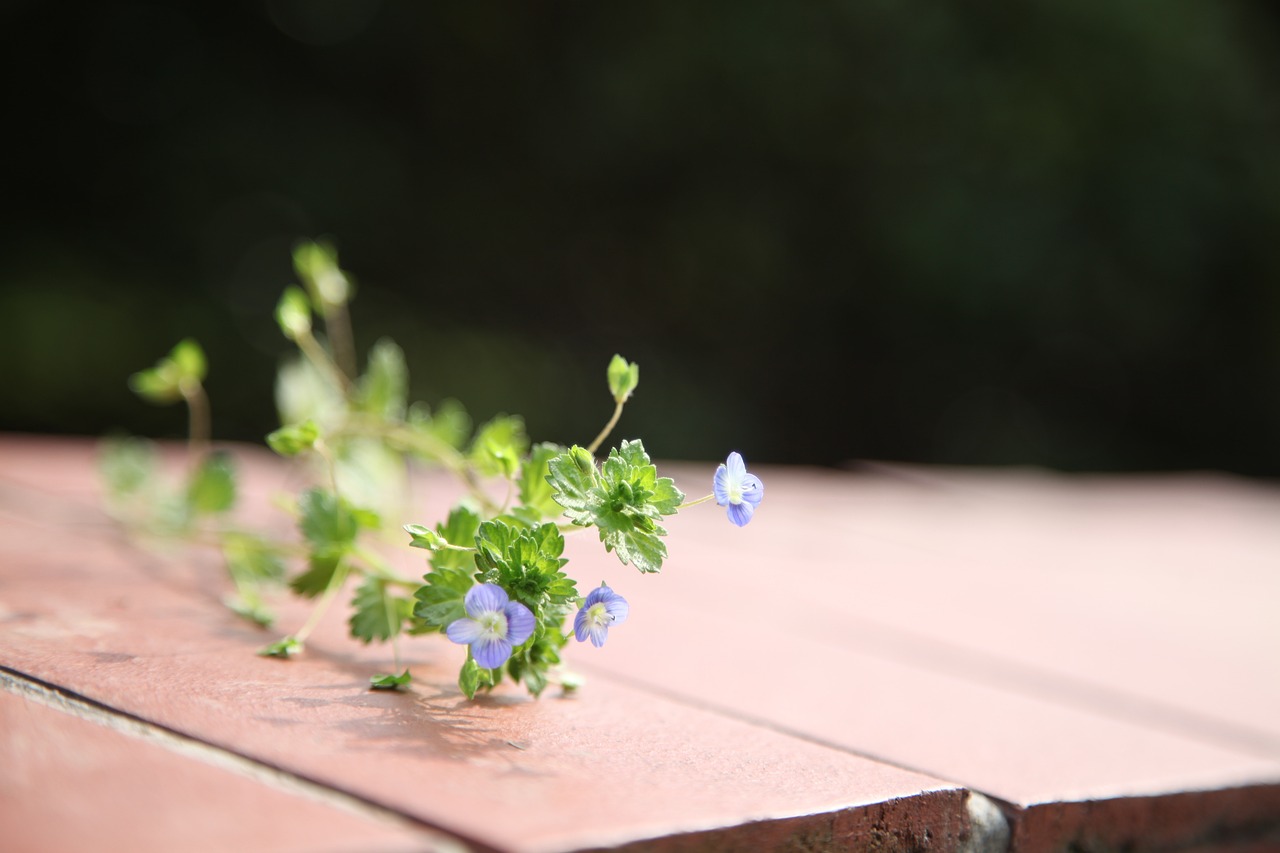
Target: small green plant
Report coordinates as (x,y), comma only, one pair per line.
(496,581)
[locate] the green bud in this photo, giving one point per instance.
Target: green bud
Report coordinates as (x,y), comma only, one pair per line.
(173,376)
(424,537)
(317,266)
(623,378)
(295,438)
(293,313)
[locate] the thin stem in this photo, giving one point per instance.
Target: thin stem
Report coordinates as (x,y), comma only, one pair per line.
(199,427)
(335,583)
(330,463)
(608,428)
(688,504)
(323,361)
(337,323)
(378,567)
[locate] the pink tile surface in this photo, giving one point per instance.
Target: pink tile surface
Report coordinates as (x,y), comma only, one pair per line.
(1010,632)
(1052,641)
(614,765)
(66,782)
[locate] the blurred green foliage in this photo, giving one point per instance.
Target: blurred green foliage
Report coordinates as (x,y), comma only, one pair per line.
(1045,233)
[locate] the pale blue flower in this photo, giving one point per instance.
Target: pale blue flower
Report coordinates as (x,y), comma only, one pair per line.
(494,625)
(736,489)
(603,609)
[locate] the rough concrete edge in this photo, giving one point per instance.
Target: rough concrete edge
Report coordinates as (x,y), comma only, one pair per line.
(943,820)
(51,696)
(1242,818)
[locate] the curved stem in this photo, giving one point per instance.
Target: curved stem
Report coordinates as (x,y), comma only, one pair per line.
(608,428)
(337,323)
(323,362)
(199,428)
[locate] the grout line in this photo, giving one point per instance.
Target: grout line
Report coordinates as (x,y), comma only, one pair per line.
(87,709)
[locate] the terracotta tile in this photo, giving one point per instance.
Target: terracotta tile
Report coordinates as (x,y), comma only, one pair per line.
(617,765)
(67,784)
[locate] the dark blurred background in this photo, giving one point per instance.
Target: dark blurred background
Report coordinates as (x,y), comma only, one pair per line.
(1036,233)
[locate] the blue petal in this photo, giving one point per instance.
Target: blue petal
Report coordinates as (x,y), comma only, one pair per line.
(581,626)
(464,631)
(741,513)
(720,485)
(752,489)
(485,598)
(599,634)
(618,608)
(737,468)
(491,653)
(597,595)
(520,623)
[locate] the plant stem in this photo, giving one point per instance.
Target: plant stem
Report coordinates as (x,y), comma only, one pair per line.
(608,428)
(337,323)
(323,362)
(335,583)
(701,500)
(199,427)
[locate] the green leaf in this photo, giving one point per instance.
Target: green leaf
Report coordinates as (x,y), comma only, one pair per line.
(439,601)
(469,678)
(385,681)
(424,537)
(499,446)
(327,523)
(458,529)
(536,492)
(295,438)
(318,576)
(572,477)
(251,559)
(174,376)
(212,488)
(284,648)
(384,387)
(623,378)
(526,562)
(378,615)
(625,500)
(251,608)
(293,313)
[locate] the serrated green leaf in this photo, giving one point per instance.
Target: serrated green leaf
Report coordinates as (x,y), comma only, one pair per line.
(386,681)
(284,648)
(536,492)
(295,438)
(572,477)
(439,601)
(458,529)
(526,563)
(212,488)
(378,614)
(321,569)
(293,313)
(384,387)
(499,446)
(327,523)
(623,378)
(625,501)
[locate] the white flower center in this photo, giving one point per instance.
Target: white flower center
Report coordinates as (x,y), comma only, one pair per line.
(493,625)
(598,616)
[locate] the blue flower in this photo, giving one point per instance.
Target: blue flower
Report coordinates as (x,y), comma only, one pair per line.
(603,609)
(736,489)
(495,625)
